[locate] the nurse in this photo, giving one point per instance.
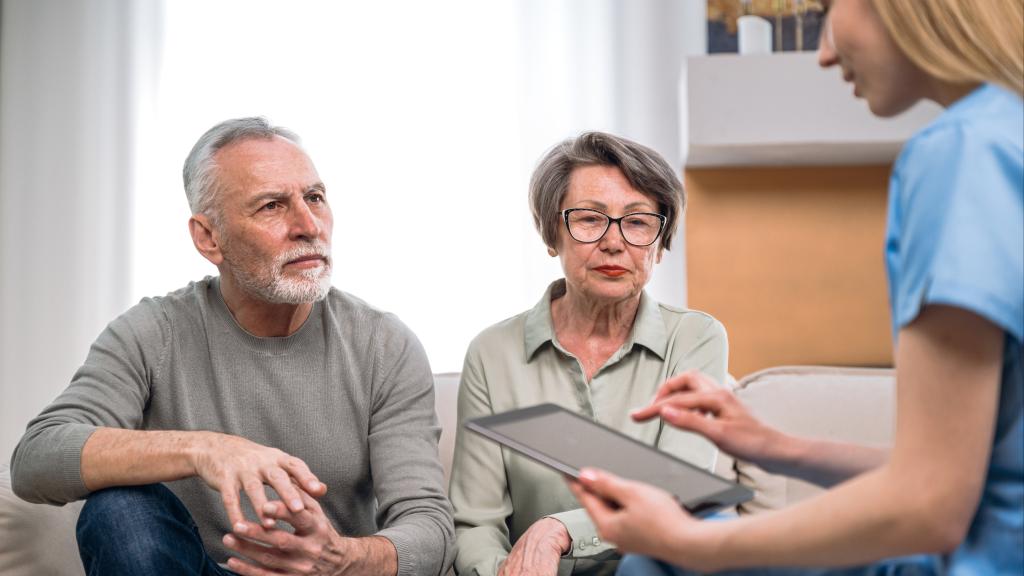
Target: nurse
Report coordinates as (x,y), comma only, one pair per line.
(949,495)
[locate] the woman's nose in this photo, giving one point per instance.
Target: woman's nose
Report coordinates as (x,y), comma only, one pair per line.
(826,46)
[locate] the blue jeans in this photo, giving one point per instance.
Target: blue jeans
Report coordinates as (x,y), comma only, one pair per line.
(141,530)
(921,565)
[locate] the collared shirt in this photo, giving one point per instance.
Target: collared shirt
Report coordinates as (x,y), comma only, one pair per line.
(519,362)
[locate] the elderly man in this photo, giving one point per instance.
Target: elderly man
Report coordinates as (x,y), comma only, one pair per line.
(292,423)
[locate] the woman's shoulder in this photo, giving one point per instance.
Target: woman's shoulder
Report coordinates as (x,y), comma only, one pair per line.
(989,119)
(689,320)
(501,334)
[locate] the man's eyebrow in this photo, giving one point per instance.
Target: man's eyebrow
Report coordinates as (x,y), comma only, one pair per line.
(318,187)
(269,195)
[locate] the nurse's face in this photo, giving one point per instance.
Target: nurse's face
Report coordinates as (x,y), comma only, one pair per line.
(856,40)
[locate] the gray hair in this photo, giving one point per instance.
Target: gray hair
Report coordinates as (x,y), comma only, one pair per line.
(644,168)
(200,169)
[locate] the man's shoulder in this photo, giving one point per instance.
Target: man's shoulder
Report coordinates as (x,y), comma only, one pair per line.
(348,310)
(187,300)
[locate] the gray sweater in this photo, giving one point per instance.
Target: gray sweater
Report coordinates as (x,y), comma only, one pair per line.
(350,393)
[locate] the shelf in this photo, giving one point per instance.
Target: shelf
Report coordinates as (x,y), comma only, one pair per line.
(783,110)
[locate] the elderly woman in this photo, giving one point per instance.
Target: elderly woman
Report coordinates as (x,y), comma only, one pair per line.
(596,343)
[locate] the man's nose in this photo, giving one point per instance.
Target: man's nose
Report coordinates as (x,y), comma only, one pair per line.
(304,223)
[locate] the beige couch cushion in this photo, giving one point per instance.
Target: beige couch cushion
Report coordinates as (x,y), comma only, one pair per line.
(446,399)
(847,404)
(36,539)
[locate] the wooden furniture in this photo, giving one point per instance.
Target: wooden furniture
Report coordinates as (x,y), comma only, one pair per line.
(786,177)
(790,261)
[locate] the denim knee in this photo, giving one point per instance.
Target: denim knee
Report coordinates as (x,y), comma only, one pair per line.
(137,529)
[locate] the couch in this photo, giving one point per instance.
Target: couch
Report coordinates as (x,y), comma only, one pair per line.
(851,404)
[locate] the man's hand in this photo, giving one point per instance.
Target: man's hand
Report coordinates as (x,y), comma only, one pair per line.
(229,464)
(685,401)
(537,551)
(315,548)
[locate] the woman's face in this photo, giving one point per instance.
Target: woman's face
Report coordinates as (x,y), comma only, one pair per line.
(856,40)
(610,269)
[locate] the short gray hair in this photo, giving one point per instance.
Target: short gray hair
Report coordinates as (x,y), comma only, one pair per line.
(199,173)
(645,169)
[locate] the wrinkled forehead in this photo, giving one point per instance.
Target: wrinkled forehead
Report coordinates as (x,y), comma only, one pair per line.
(605,186)
(264,164)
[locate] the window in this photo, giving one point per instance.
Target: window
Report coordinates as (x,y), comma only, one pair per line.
(406,108)
(433,111)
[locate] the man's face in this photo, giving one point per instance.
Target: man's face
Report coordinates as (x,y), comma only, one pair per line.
(274,226)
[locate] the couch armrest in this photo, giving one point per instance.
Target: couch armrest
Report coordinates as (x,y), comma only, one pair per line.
(36,538)
(844,404)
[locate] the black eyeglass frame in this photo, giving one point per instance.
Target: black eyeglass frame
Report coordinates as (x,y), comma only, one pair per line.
(661,225)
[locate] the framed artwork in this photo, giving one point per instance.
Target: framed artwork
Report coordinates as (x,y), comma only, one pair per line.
(796,24)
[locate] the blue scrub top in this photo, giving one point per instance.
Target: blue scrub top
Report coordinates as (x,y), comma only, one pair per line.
(956,237)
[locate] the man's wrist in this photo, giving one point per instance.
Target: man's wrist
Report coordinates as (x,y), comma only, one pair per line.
(193,445)
(369,556)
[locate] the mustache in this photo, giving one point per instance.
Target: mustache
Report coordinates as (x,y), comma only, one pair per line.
(320,249)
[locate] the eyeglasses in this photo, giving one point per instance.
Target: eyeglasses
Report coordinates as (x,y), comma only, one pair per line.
(588,226)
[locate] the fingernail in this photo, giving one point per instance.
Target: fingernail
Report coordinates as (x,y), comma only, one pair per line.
(588,474)
(240,527)
(669,412)
(314,486)
(296,504)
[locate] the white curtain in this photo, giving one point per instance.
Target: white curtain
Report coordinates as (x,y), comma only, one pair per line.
(94,127)
(612,65)
(74,77)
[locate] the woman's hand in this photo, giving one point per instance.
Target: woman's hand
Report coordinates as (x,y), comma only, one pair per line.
(537,551)
(638,518)
(692,401)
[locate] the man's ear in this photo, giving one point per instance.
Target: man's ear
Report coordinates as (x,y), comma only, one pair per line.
(205,238)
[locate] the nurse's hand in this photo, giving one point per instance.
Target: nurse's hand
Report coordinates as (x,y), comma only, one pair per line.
(538,550)
(641,519)
(694,402)
(636,517)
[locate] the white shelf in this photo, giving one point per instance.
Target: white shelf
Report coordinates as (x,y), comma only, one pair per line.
(782,109)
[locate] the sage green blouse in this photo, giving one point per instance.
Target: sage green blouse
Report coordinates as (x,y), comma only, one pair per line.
(498,494)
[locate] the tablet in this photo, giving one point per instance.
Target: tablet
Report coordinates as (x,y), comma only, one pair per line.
(567,442)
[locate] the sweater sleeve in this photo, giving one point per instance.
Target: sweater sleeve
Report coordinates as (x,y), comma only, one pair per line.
(110,389)
(414,511)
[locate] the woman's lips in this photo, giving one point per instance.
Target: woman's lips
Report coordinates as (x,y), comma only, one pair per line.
(611,271)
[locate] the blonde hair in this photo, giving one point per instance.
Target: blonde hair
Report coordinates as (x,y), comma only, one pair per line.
(960,41)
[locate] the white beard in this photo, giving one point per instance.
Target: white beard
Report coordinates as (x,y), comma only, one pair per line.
(274,287)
